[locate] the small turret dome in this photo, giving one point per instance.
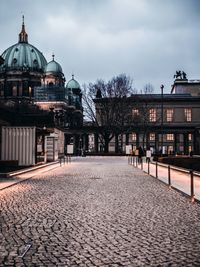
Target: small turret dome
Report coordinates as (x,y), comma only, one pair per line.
(53,66)
(73,84)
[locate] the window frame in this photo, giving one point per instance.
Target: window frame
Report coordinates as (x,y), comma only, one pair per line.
(152,115)
(169,114)
(170,137)
(133,137)
(152,137)
(188,114)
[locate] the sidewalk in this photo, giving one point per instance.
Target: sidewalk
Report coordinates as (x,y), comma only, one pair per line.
(24,174)
(180,179)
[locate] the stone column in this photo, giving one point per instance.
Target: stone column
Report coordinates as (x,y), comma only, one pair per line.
(185,143)
(116,143)
(137,139)
(96,142)
(175,142)
(86,142)
(127,139)
(156,142)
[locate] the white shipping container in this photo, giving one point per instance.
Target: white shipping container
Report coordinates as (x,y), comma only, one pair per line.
(18,143)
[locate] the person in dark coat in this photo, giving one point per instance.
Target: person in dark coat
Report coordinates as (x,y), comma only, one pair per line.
(141,153)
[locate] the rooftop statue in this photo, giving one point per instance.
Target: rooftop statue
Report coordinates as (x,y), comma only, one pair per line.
(180,75)
(184,75)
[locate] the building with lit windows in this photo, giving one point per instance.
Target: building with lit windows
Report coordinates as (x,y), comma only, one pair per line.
(163,123)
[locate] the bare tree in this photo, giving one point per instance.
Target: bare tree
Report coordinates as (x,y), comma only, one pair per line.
(148,89)
(105,104)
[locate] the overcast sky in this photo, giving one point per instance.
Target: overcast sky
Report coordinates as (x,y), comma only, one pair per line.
(146,39)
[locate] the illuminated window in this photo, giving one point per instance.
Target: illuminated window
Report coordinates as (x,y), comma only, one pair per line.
(30,91)
(170,113)
(135,112)
(170,137)
(190,137)
(152,115)
(134,137)
(152,137)
(14,91)
(188,114)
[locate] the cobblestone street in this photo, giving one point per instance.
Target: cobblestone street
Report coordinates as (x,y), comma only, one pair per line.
(97,212)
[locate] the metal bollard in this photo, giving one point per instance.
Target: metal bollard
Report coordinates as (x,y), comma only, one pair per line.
(169,176)
(156,169)
(141,163)
(136,162)
(192,185)
(148,166)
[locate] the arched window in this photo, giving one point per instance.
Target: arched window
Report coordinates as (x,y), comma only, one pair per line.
(35,63)
(14,61)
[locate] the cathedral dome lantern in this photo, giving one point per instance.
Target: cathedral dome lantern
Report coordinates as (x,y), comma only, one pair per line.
(23,36)
(23,55)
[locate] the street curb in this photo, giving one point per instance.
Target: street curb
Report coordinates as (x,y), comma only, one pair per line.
(29,169)
(26,171)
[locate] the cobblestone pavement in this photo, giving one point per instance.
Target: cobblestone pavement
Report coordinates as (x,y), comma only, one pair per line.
(97,212)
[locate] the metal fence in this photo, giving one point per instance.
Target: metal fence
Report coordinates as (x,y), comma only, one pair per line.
(186,181)
(65,159)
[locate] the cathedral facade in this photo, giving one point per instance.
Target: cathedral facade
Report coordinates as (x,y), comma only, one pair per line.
(34,92)
(25,74)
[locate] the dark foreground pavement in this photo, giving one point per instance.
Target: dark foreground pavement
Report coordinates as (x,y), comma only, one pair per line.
(97,212)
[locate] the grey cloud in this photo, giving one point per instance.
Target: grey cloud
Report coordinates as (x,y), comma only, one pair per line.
(147,39)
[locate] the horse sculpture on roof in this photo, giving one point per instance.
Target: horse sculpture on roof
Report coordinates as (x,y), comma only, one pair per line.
(180,75)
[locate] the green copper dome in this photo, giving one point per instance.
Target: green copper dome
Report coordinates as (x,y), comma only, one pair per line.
(23,55)
(53,66)
(73,84)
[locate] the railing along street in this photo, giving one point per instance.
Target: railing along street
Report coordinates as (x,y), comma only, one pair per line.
(186,181)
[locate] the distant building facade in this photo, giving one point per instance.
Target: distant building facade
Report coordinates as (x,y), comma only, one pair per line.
(162,123)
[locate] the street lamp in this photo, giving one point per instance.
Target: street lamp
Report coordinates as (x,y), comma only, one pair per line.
(162,87)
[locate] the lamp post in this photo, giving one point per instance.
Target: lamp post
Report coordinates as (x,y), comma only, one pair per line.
(162,87)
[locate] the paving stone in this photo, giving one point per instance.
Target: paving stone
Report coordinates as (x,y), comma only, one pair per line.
(123,218)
